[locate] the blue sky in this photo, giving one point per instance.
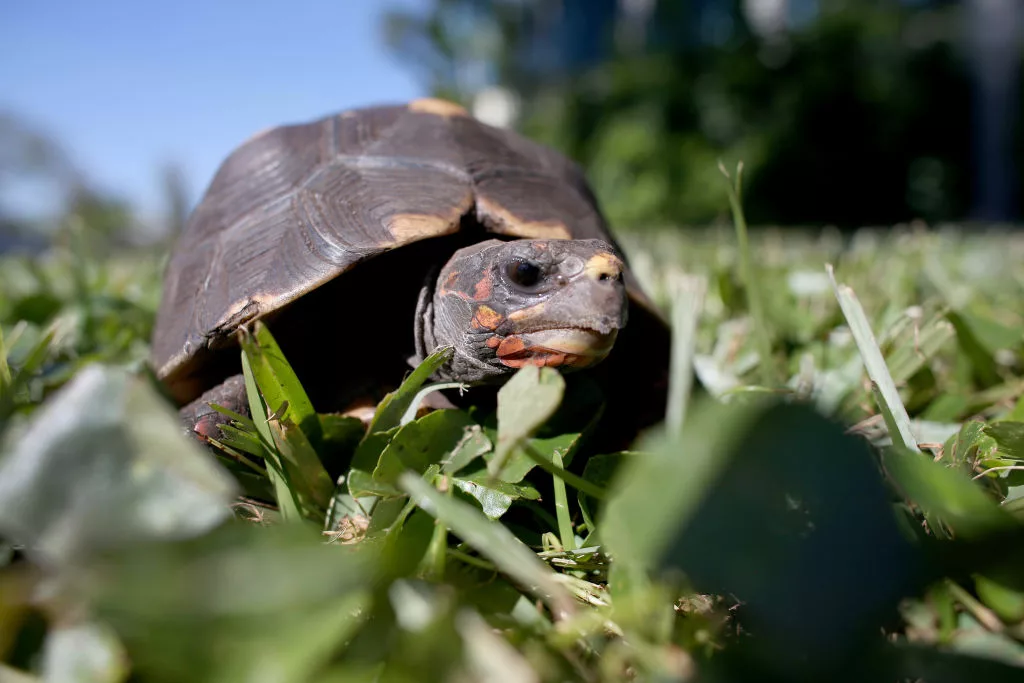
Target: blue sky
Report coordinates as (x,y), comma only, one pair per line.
(129,85)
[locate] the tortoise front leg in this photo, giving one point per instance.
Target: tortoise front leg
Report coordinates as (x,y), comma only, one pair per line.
(202,420)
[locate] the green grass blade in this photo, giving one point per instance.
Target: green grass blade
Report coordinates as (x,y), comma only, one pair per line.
(687,305)
(281,389)
(391,410)
(5,370)
(275,468)
(565,531)
(494,541)
(886,393)
(751,282)
(410,413)
(575,481)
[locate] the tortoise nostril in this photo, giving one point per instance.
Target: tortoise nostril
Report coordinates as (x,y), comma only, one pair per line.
(604,267)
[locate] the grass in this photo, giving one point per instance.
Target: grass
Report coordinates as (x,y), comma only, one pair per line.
(844,503)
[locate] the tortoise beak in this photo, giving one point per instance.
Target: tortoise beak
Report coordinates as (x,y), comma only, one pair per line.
(570,347)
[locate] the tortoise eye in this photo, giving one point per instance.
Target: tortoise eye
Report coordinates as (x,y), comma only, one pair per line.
(524,273)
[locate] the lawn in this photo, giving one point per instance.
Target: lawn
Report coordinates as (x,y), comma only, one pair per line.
(836,492)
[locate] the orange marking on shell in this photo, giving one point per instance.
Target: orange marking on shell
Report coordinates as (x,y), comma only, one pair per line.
(486,318)
(492,342)
(437,106)
(502,221)
(410,227)
(482,291)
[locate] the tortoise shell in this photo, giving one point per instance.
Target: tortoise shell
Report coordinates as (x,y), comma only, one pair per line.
(296,206)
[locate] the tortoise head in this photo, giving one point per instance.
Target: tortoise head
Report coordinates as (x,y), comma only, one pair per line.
(503,305)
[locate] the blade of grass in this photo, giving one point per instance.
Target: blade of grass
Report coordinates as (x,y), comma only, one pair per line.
(494,541)
(281,389)
(410,413)
(237,417)
(905,361)
(687,304)
(886,395)
(275,468)
(575,481)
(565,531)
(391,410)
(5,370)
(762,336)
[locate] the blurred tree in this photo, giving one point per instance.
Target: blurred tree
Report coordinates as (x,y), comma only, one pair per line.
(30,156)
(176,199)
(105,220)
(843,112)
(26,150)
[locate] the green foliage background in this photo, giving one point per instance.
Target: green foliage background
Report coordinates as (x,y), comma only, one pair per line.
(748,538)
(858,115)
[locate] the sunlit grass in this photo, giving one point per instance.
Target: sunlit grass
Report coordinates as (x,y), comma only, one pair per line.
(856,518)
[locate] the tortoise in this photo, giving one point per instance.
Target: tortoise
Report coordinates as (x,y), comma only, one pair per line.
(367,239)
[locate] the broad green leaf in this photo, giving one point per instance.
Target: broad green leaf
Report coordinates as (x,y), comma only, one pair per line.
(962,449)
(474,444)
(361,484)
(493,502)
(371,447)
(1009,437)
(103,464)
(422,443)
(519,463)
(235,605)
(525,403)
(783,485)
(406,542)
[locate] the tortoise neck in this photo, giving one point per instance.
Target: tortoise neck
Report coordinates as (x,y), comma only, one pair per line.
(425,340)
